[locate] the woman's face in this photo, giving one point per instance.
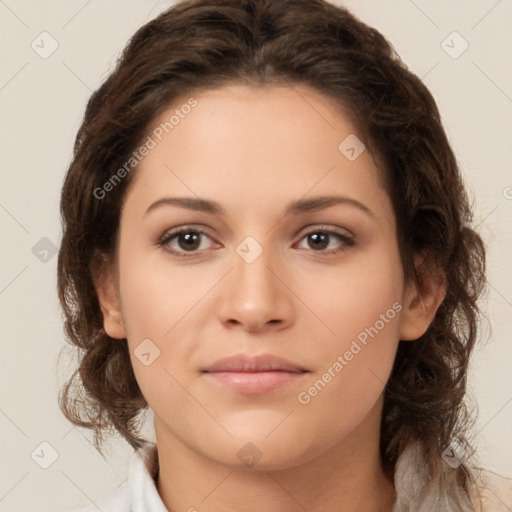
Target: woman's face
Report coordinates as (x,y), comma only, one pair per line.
(266,265)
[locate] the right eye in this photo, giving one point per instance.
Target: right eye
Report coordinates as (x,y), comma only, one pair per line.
(182,241)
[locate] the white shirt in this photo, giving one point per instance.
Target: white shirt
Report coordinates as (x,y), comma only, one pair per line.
(139,492)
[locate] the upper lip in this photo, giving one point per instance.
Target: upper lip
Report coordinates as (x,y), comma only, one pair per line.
(259,363)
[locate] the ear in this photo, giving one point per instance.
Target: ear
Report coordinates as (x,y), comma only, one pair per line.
(421,300)
(105,282)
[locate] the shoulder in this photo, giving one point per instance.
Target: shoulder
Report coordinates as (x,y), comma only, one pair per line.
(139,492)
(417,492)
(494,491)
(116,501)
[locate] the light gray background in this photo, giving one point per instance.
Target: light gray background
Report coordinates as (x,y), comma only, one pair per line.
(42,102)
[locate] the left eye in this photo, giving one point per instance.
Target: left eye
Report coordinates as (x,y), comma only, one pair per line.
(189,241)
(321,238)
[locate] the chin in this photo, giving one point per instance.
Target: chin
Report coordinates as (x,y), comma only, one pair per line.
(254,451)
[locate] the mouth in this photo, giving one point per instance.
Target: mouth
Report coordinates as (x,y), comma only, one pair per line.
(254,374)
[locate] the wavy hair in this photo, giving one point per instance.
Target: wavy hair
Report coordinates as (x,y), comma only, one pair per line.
(202,44)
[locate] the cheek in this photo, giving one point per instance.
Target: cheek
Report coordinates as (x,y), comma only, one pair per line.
(358,299)
(159,307)
(352,373)
(155,293)
(360,311)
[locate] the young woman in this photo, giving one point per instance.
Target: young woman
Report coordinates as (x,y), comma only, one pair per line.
(267,243)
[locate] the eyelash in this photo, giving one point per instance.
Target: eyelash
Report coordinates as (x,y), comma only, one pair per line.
(168,236)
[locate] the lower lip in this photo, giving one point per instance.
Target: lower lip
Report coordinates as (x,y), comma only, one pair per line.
(254,383)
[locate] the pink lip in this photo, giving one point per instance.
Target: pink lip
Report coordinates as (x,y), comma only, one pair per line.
(260,363)
(254,374)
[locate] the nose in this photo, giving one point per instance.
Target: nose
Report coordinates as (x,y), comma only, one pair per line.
(256,296)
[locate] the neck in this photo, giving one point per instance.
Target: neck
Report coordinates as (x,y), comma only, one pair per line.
(349,477)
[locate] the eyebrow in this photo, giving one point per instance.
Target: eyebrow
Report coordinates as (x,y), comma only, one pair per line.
(298,207)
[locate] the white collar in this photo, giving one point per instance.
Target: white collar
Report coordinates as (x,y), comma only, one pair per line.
(414,493)
(142,475)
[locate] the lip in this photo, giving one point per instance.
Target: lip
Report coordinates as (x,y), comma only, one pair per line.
(259,363)
(254,374)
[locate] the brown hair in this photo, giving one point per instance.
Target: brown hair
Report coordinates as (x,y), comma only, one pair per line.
(202,44)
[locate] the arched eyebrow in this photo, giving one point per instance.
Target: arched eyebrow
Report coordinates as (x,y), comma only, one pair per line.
(298,207)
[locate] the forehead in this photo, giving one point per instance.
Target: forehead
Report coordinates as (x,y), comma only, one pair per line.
(250,145)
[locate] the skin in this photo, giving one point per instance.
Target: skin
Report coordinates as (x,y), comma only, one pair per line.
(253,151)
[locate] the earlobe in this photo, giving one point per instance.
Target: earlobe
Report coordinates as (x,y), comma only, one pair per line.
(421,301)
(105,284)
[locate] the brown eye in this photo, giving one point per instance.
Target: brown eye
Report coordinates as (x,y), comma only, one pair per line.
(187,241)
(182,241)
(320,239)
